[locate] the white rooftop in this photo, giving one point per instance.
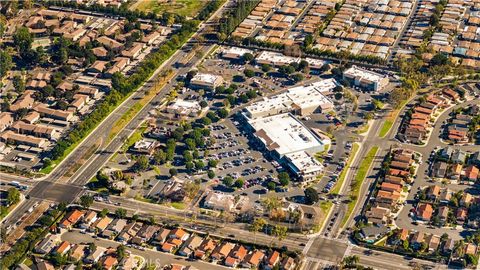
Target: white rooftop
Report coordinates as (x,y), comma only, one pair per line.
(206,78)
(184,104)
(285,134)
(364,74)
(236,51)
(304,162)
(302,96)
(276,57)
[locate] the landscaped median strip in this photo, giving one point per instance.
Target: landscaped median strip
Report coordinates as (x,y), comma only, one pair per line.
(343,174)
(358,181)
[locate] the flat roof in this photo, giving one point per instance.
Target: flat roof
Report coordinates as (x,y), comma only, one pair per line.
(304,162)
(302,96)
(206,78)
(286,133)
(364,74)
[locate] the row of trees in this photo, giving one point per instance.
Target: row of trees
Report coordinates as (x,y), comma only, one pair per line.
(165,18)
(233,18)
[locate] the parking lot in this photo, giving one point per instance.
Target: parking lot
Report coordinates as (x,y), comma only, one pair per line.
(237,159)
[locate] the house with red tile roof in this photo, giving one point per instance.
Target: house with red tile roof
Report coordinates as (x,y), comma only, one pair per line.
(424,211)
(272,260)
(253,259)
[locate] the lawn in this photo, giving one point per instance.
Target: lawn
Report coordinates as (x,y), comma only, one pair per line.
(188,8)
(343,174)
(358,181)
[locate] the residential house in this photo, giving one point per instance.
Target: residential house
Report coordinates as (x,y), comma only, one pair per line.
(77,252)
(439,169)
(458,156)
(190,245)
(71,219)
(207,246)
(377,215)
(433,242)
(221,251)
(95,256)
(471,173)
(6,120)
(443,214)
(47,244)
(372,233)
(424,211)
(161,236)
(109,262)
(43,265)
(445,195)
(236,256)
(253,259)
(272,260)
(448,245)
(88,219)
(63,248)
(178,233)
(288,263)
(418,238)
(101,224)
(461,215)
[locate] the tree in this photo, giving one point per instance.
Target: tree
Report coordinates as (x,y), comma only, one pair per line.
(239,183)
(211,174)
(350,261)
(86,201)
(222,113)
(284,178)
(271,203)
(258,224)
(199,165)
(103,213)
(308,41)
(172,172)
(120,213)
(212,163)
(13,196)
(266,67)
(297,77)
(5,63)
(23,40)
(159,157)
(141,164)
(191,189)
(121,252)
(311,195)
(227,181)
(249,73)
(247,57)
(271,185)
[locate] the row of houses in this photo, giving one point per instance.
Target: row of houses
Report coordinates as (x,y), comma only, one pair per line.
(276,28)
(176,241)
(416,128)
(458,129)
(436,207)
(389,193)
(365,27)
(456,165)
(256,18)
(108,258)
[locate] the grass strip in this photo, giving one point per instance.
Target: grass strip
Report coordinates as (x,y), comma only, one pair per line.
(358,181)
(343,174)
